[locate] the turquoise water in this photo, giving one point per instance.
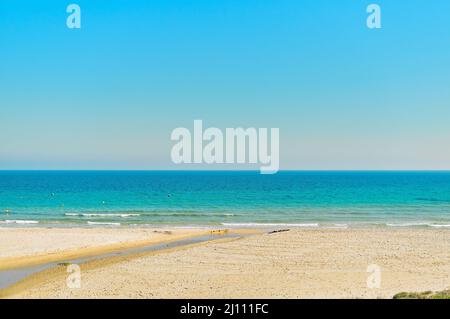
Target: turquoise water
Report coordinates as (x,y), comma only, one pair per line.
(308,199)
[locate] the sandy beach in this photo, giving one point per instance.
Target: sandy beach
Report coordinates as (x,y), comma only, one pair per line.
(30,246)
(299,263)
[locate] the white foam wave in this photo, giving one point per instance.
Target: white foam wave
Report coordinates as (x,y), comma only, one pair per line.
(269,225)
(101,215)
(339,226)
(412,224)
(19,222)
(406,224)
(104,224)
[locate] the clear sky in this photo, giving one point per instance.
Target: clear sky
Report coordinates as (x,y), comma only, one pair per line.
(108,95)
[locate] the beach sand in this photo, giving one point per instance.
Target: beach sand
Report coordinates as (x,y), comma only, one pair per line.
(30,246)
(300,263)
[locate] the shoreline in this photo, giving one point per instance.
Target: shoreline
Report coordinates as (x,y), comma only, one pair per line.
(406,224)
(30,272)
(53,254)
(316,255)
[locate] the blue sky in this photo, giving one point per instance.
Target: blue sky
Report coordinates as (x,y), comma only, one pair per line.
(107,96)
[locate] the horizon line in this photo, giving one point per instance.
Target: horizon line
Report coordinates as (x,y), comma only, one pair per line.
(223,170)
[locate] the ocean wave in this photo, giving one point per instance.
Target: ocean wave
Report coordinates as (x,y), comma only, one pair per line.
(188,214)
(101,215)
(125,215)
(269,225)
(103,224)
(339,226)
(440,226)
(409,224)
(417,224)
(19,222)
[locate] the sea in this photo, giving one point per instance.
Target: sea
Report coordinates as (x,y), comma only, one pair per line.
(336,199)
